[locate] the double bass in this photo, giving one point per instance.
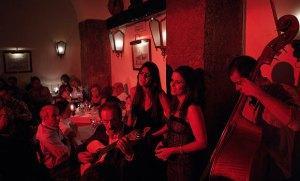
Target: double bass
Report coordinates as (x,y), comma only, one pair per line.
(237,155)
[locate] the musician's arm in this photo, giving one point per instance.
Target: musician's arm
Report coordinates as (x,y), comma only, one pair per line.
(283,112)
(85,157)
(287,115)
(126,148)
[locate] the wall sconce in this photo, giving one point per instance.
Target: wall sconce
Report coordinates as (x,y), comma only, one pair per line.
(117,42)
(60,48)
(159,34)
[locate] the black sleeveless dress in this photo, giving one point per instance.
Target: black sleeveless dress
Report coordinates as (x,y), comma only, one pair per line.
(145,119)
(148,166)
(181,167)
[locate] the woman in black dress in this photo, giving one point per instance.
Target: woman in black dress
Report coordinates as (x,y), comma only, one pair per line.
(149,107)
(186,134)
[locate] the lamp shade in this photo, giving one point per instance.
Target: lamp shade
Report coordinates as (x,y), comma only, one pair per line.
(164,32)
(117,41)
(155,31)
(159,33)
(60,48)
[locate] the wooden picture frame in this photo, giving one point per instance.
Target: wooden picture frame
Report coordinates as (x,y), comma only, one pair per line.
(17,61)
(141,52)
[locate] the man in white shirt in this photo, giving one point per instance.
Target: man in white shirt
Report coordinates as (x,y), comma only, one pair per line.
(53,144)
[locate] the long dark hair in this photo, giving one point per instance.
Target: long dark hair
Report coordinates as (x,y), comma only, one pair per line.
(187,73)
(155,90)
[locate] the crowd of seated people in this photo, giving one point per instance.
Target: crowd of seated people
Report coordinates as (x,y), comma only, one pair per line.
(142,136)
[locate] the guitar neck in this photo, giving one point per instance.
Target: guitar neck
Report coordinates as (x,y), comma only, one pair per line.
(106,149)
(134,136)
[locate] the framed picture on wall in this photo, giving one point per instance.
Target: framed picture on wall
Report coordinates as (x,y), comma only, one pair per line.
(141,52)
(17,61)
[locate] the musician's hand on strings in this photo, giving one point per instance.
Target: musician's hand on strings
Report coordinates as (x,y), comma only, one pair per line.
(85,157)
(125,147)
(164,153)
(249,88)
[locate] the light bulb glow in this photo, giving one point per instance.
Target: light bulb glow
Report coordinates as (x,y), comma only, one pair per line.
(72,107)
(119,44)
(16,55)
(55,89)
(60,49)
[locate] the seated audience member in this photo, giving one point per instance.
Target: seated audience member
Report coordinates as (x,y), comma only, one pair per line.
(15,91)
(22,115)
(65,83)
(65,95)
(115,164)
(56,148)
(68,128)
(39,96)
(119,92)
(6,122)
(106,93)
(77,91)
(17,156)
(19,108)
(95,95)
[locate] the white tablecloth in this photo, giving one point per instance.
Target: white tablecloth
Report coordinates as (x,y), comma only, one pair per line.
(85,128)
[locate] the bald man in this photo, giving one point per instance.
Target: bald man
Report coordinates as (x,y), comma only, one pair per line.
(52,142)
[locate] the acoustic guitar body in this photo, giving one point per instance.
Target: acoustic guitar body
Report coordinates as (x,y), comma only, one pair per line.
(93,148)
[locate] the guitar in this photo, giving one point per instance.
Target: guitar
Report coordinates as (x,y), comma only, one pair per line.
(99,151)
